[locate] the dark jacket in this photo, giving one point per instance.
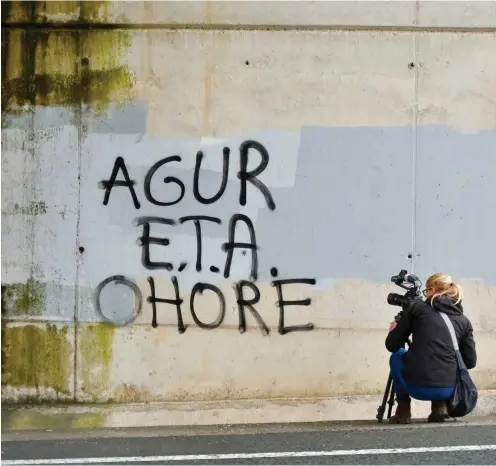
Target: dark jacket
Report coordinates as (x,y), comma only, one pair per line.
(430,360)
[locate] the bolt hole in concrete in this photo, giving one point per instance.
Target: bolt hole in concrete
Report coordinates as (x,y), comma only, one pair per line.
(85,61)
(81,249)
(247,62)
(410,256)
(411,65)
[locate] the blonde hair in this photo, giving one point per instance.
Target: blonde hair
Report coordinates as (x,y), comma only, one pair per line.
(444,285)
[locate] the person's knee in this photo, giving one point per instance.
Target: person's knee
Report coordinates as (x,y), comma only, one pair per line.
(396,362)
(397,355)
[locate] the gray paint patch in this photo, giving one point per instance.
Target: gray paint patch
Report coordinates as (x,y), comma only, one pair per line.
(456,203)
(40,118)
(349,214)
(119,118)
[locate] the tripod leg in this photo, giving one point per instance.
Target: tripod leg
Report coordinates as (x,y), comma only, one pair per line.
(391,401)
(382,408)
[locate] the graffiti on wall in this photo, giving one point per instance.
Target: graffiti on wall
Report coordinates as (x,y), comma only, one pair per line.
(247,292)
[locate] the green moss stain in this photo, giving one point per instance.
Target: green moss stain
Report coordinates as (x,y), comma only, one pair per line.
(35,356)
(95,344)
(94,12)
(87,421)
(65,11)
(103,76)
(19,11)
(63,67)
(23,298)
(35,420)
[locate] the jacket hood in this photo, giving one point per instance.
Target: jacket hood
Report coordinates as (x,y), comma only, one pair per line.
(447,305)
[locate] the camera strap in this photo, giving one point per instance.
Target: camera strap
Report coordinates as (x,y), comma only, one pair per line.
(451,329)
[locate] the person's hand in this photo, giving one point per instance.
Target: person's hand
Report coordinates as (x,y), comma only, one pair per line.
(392,325)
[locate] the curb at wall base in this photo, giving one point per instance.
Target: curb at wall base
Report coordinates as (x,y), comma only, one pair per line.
(230,412)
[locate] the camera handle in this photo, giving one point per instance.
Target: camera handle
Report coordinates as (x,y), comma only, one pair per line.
(388,393)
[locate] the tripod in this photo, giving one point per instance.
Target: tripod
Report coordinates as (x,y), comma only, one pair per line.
(388,393)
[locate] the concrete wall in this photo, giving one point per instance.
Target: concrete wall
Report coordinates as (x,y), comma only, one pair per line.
(378,123)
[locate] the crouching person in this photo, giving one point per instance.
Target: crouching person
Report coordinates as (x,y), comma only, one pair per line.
(427,369)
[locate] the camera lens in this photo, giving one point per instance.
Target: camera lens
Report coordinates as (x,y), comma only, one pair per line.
(395,299)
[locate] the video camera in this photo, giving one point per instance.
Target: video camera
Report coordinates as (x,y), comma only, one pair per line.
(409,282)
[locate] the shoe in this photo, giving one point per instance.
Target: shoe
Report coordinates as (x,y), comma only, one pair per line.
(403,414)
(439,412)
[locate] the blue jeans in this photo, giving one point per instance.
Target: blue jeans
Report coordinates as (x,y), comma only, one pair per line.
(404,390)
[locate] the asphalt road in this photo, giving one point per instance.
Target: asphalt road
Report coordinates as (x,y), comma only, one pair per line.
(453,443)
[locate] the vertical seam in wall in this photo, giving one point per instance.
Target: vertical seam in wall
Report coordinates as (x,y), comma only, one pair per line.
(29,167)
(79,123)
(414,140)
(207,89)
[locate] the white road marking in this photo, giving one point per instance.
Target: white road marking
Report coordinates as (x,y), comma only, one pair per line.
(246,456)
